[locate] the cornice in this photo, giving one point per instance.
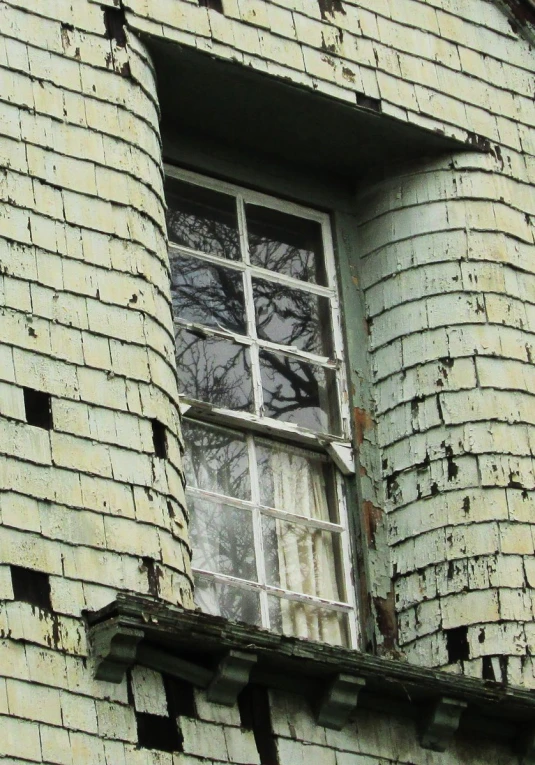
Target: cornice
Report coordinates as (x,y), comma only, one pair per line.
(222,657)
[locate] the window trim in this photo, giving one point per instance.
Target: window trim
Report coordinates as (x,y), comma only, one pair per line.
(336,448)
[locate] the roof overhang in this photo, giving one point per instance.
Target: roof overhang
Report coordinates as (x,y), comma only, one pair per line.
(522,16)
(204,98)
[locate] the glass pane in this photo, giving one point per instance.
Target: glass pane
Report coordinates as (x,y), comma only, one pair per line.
(285,243)
(213,370)
(306,620)
(202,219)
(299,392)
(216,460)
(295,481)
(292,317)
(207,294)
(235,603)
(222,538)
(302,559)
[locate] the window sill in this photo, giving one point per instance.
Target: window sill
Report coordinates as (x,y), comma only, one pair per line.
(222,657)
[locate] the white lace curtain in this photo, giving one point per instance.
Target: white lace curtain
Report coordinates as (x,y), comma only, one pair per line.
(306,556)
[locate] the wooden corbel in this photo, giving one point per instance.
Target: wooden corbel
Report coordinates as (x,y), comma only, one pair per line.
(440,725)
(339,700)
(232,675)
(114,650)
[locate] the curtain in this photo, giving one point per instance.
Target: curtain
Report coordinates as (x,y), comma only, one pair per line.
(306,556)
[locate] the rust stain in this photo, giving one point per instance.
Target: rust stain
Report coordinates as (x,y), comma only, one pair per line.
(363,423)
(373,516)
(387,621)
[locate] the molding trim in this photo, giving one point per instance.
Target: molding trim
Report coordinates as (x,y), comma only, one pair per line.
(222,657)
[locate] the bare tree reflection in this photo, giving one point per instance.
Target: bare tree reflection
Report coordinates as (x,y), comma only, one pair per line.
(285,243)
(222,537)
(292,317)
(202,219)
(214,370)
(296,391)
(208,294)
(217,460)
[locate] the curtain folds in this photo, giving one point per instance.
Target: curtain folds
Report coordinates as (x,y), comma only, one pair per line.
(306,556)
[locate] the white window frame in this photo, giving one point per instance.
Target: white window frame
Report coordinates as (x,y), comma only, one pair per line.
(337,448)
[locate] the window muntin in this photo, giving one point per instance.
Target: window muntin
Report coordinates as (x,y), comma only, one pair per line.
(259,350)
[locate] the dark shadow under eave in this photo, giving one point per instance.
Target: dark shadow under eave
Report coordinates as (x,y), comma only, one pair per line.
(229,104)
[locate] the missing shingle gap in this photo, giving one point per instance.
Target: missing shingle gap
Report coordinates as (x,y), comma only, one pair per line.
(162,732)
(159,439)
(38,408)
(215,5)
(30,586)
(253,705)
(457,644)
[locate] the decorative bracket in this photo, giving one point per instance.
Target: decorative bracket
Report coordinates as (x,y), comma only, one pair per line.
(339,700)
(114,649)
(232,675)
(441,724)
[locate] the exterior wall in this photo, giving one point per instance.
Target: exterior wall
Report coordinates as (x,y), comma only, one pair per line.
(447,474)
(463,70)
(447,268)
(85,317)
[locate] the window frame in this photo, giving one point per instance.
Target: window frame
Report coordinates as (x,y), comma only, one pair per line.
(336,449)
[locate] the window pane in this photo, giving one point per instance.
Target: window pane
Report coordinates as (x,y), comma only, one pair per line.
(296,481)
(216,460)
(299,392)
(285,243)
(207,294)
(235,603)
(292,317)
(202,219)
(306,620)
(214,370)
(302,559)
(222,538)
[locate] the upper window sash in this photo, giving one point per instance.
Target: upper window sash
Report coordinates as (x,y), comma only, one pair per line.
(256,419)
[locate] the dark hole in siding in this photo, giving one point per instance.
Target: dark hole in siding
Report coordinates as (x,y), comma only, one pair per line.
(154,574)
(38,408)
(159,439)
(253,705)
(31,587)
(330,7)
(180,697)
(114,22)
(367,102)
(457,644)
(215,5)
(487,669)
(157,732)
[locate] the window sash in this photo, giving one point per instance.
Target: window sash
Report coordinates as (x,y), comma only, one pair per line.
(243,197)
(254,424)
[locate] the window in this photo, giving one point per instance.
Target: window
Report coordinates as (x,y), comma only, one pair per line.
(260,366)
